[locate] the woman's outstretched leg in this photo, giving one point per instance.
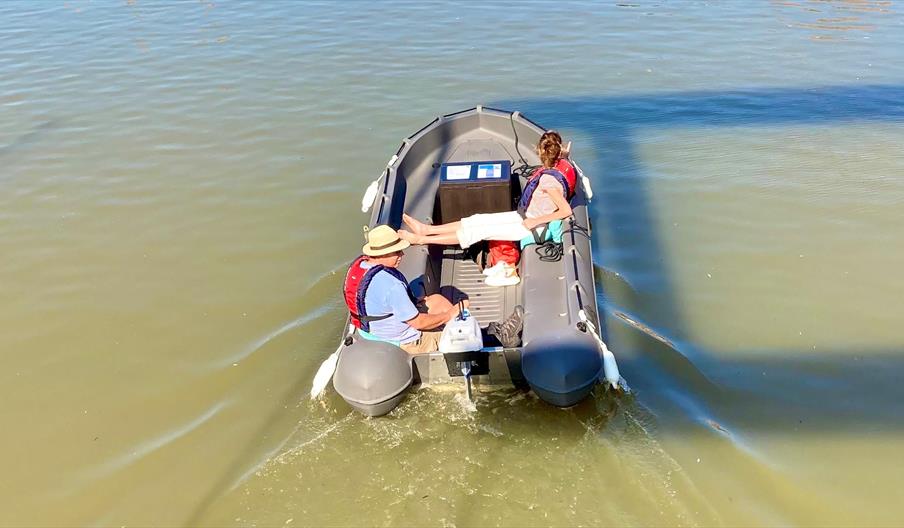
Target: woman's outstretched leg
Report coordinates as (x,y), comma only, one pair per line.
(419,228)
(444,239)
(416,226)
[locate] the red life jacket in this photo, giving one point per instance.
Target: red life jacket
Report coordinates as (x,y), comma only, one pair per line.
(527,193)
(571,175)
(357,280)
(563,171)
(566,174)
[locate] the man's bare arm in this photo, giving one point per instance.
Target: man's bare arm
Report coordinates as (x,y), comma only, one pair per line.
(427,321)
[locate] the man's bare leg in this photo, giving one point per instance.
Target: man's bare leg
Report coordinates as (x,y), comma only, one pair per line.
(436,303)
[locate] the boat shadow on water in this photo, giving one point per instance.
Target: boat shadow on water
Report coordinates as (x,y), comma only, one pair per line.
(783,388)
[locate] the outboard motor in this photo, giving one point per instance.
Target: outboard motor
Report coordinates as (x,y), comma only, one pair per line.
(373,376)
(562,367)
(462,334)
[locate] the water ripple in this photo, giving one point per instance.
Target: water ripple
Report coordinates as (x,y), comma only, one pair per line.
(144,449)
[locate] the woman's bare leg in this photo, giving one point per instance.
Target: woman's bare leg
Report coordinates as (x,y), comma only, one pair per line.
(445,239)
(416,226)
(444,229)
(420,228)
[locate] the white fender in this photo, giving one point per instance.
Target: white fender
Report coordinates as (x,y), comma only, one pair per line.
(370,195)
(585,181)
(610,367)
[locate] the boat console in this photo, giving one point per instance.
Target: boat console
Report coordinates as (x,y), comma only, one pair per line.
(472,187)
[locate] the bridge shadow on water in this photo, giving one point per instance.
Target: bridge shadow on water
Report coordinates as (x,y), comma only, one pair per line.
(790,391)
(852,389)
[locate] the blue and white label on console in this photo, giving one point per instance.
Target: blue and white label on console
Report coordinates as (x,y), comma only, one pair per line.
(491,170)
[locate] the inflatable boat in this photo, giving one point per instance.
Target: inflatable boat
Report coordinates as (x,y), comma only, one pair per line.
(459,164)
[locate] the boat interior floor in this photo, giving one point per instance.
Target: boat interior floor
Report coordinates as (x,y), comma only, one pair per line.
(460,274)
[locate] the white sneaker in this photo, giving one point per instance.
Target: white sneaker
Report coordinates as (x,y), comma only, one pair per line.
(495,269)
(506,276)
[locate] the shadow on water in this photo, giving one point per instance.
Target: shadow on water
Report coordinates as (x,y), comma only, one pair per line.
(773,390)
(776,388)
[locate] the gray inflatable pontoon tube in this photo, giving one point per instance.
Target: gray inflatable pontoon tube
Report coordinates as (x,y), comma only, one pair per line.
(373,376)
(562,368)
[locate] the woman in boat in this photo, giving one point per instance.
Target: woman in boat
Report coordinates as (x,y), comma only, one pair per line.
(544,200)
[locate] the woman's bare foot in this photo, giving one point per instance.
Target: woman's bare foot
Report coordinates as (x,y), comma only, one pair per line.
(417,227)
(410,237)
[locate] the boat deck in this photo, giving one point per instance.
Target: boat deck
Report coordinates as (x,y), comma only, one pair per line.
(487,303)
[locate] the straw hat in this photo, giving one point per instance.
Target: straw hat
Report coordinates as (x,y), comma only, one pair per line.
(383,240)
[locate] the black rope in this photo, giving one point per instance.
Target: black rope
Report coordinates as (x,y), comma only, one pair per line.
(512,121)
(524,171)
(576,228)
(550,251)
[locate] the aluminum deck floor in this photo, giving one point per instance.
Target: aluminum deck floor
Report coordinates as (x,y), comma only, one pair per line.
(488,303)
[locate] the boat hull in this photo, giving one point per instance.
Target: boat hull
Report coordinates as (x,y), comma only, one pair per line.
(557,359)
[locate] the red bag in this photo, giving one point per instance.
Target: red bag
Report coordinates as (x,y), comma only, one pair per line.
(503,251)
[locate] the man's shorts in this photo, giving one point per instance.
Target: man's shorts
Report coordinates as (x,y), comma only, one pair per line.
(491,226)
(428,342)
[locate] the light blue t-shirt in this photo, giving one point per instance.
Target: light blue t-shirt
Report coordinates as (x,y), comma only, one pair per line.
(387,295)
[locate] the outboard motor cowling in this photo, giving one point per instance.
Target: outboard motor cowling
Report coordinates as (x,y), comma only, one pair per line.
(373,376)
(562,368)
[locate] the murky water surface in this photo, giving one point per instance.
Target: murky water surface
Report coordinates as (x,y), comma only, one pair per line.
(178,200)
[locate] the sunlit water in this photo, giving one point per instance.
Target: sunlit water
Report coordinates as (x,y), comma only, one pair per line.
(179,200)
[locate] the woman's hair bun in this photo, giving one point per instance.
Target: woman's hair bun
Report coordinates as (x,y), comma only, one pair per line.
(550,148)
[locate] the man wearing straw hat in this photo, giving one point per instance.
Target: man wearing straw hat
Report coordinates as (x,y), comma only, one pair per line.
(391,312)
